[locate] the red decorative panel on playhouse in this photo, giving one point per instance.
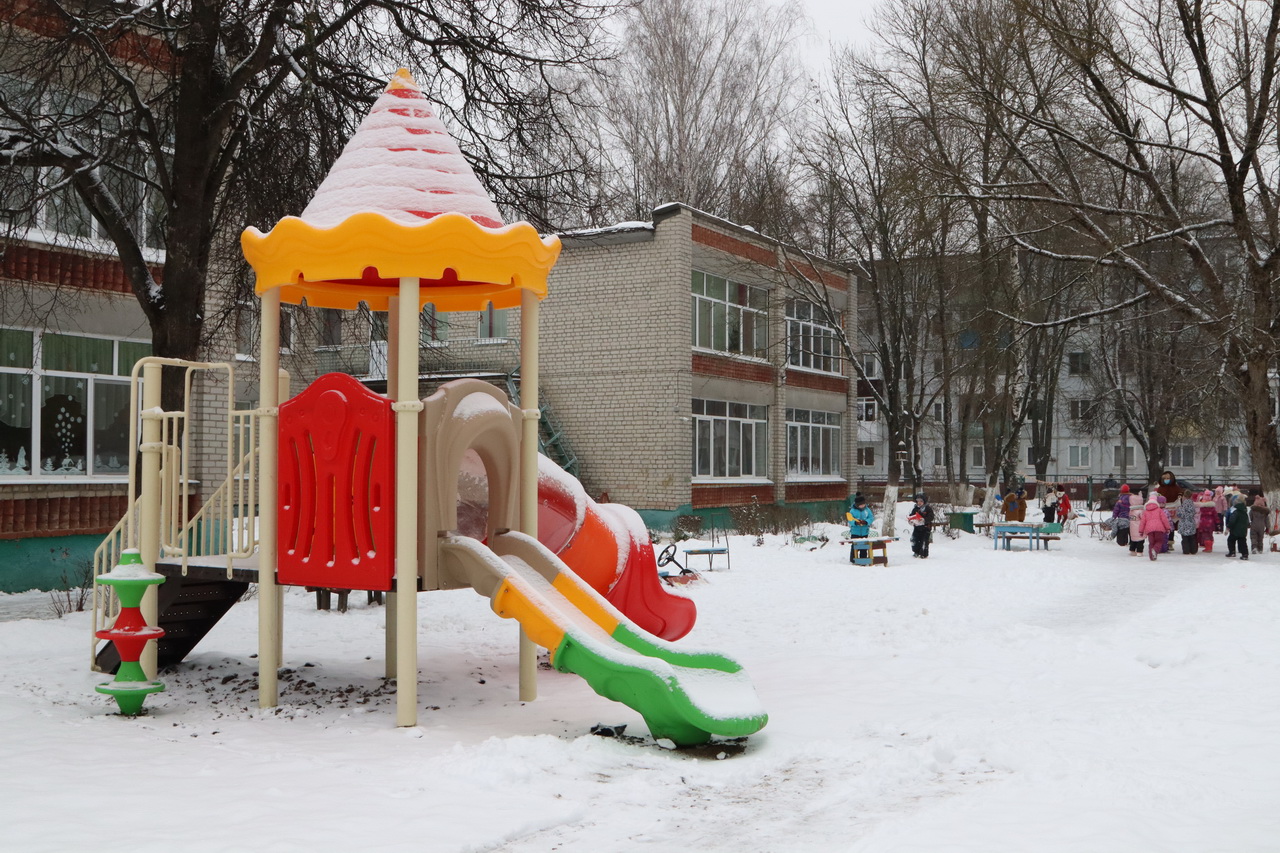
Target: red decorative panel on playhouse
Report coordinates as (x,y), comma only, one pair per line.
(337,487)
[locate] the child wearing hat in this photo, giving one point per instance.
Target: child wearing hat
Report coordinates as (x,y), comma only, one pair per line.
(1154,525)
(920,519)
(1120,515)
(860,517)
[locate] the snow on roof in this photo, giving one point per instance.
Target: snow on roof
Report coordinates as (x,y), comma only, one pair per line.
(403,164)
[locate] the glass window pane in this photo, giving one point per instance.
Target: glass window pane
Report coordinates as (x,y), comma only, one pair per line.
(748,451)
(734,330)
(716,287)
(130,353)
(760,468)
(16,348)
(15,423)
(110,428)
(718,327)
(704,448)
(733,448)
(81,355)
(698,283)
(719,460)
(62,425)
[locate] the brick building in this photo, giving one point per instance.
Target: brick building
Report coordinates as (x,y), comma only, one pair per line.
(688,374)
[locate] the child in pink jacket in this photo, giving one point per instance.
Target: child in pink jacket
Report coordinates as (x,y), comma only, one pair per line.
(1154,525)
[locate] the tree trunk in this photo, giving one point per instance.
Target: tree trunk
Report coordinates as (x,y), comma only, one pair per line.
(1260,427)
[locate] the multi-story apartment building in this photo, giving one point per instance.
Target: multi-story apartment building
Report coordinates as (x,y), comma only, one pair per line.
(690,377)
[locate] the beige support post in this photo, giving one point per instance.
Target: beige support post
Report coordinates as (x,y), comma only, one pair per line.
(393,388)
(528,467)
(283,393)
(149,512)
(270,623)
(407,407)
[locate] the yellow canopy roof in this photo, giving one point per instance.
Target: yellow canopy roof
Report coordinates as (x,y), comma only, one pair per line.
(401,202)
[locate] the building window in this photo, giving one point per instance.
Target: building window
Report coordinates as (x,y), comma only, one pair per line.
(330,327)
(44,202)
(1228,456)
(866,409)
(729,316)
(1081,410)
(248,322)
(937,457)
(492,324)
(1123,456)
(866,455)
(939,414)
(1182,456)
(433,327)
(1078,363)
(812,343)
(978,456)
(813,442)
(729,439)
(64,403)
(1078,456)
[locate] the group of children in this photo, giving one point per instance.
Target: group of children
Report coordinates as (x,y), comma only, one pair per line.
(1055,503)
(920,518)
(1169,508)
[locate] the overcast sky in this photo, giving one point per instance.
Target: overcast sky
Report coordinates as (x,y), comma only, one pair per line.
(841,21)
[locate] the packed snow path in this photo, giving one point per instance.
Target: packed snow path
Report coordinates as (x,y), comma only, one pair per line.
(1076,700)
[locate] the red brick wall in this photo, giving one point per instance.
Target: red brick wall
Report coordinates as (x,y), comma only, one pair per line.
(24,518)
(801,379)
(741,248)
(35,517)
(28,263)
(709,496)
(830,279)
(43,18)
(731,368)
(797,492)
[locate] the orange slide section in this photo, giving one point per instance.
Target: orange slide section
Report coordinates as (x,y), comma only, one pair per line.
(608,546)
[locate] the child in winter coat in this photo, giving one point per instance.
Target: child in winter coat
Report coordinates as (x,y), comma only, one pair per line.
(1120,516)
(860,517)
(1221,506)
(1162,502)
(1154,525)
(1238,529)
(1208,520)
(1064,506)
(1188,522)
(1049,504)
(1015,505)
(1258,514)
(920,519)
(1136,538)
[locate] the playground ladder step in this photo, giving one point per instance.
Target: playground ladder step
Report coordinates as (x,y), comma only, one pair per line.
(189,608)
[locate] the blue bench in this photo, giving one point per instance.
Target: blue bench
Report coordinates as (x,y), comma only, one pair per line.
(711,554)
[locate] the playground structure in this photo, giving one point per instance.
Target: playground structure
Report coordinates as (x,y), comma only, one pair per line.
(357,490)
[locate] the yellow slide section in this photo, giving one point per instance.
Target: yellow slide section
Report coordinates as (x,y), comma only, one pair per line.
(684,696)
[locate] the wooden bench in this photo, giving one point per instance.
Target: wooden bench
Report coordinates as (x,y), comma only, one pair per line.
(862,550)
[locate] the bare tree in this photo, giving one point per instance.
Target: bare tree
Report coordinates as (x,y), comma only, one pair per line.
(1166,146)
(700,105)
(168,124)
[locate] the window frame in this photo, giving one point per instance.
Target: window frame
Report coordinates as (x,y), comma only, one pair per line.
(715,423)
(116,375)
(822,432)
(705,303)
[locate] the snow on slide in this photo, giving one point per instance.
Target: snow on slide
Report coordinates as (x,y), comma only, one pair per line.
(685,696)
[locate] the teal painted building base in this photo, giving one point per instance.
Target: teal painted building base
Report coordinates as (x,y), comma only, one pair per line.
(721,517)
(55,562)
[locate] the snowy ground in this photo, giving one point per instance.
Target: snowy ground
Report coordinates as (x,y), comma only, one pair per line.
(1075,700)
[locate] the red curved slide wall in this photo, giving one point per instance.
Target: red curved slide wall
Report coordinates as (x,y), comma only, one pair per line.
(592,552)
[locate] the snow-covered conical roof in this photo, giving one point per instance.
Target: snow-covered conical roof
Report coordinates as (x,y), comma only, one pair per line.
(401,163)
(401,202)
